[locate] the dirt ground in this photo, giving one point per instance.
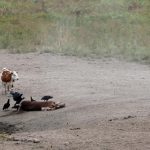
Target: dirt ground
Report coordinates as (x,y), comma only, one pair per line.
(107,104)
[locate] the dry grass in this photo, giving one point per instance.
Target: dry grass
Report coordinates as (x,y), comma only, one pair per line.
(76,27)
(3,136)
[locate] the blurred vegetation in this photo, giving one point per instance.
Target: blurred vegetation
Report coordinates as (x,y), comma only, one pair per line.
(95,28)
(3,136)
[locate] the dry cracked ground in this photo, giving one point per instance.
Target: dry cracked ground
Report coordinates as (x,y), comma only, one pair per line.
(107,104)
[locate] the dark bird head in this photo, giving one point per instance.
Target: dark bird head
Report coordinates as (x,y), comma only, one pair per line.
(17,96)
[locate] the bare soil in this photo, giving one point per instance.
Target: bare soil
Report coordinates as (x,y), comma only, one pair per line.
(107,104)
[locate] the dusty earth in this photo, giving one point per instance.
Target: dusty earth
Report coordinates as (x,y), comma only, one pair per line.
(107,104)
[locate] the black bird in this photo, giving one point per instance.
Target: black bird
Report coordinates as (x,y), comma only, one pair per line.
(6,105)
(32,99)
(17,96)
(16,106)
(46,97)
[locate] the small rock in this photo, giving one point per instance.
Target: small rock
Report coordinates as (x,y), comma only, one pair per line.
(36,141)
(66,143)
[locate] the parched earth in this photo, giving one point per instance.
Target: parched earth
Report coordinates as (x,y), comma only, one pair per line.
(107,104)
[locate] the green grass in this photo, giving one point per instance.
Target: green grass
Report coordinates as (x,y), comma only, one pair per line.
(3,136)
(95,28)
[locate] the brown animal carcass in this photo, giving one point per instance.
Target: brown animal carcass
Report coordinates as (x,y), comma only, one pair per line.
(40,105)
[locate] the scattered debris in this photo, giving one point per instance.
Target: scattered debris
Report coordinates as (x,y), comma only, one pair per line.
(113,119)
(128,117)
(24,139)
(8,128)
(75,128)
